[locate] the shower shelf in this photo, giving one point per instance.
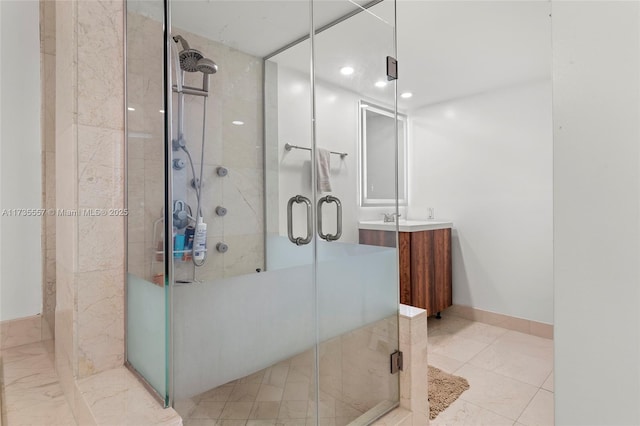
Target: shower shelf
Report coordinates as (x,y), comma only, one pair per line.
(179,251)
(157,253)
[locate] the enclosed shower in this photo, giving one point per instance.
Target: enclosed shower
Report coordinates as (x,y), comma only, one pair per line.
(249,296)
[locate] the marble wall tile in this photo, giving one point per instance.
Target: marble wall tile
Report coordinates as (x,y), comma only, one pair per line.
(413,344)
(66,198)
(66,66)
(100,45)
(243,144)
(100,243)
(65,332)
(100,321)
(136,256)
(48,26)
(47,327)
(100,168)
(245,255)
(49,292)
(49,184)
(135,149)
(135,222)
(243,189)
(49,99)
(20,331)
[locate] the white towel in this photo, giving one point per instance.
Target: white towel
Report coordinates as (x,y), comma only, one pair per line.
(323,169)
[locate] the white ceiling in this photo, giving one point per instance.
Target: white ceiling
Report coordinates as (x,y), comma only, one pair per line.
(446,49)
(453,49)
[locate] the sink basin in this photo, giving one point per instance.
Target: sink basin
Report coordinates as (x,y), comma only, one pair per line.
(406,225)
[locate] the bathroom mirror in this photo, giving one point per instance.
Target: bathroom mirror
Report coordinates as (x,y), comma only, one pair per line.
(376,147)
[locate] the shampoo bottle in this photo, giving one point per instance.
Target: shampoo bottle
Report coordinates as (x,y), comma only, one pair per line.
(200,241)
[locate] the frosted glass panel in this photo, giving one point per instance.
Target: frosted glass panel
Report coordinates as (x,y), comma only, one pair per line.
(146,335)
(227,329)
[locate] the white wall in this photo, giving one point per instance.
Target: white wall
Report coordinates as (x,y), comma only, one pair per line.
(596,212)
(20,169)
(485,162)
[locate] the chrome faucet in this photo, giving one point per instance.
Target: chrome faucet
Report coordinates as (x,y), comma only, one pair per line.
(390,217)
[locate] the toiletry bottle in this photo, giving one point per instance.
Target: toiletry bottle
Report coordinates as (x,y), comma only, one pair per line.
(189,233)
(200,241)
(178,246)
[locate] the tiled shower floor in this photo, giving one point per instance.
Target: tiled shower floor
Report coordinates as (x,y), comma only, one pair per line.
(279,395)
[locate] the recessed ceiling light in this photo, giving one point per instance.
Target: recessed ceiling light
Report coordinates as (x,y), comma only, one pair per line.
(406,95)
(131,109)
(381,83)
(237,122)
(346,70)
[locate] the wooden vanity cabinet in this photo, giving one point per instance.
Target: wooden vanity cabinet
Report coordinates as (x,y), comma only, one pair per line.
(425,266)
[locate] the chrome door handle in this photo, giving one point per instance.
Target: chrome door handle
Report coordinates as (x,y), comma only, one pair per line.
(338,234)
(299,241)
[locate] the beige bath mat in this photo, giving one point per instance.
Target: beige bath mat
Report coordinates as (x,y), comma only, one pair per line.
(444,388)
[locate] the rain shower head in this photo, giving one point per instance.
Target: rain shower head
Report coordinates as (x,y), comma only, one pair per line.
(188,57)
(189,60)
(206,66)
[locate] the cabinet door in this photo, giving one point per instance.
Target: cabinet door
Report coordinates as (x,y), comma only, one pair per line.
(431,270)
(404,269)
(441,298)
(422,269)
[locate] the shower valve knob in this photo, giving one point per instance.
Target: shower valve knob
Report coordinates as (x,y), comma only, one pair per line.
(222,247)
(222,171)
(178,163)
(221,211)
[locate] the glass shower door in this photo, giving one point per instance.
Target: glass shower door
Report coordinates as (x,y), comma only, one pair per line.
(146,290)
(244,321)
(357,288)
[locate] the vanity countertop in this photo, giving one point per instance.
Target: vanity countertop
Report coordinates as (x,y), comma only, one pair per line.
(406,225)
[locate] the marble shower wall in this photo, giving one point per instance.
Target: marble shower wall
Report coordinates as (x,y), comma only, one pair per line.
(89,166)
(48,72)
(235,94)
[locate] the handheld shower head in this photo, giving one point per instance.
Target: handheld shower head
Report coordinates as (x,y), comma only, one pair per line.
(206,66)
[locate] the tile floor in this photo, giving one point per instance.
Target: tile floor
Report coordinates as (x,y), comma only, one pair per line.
(281,395)
(32,393)
(510,373)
